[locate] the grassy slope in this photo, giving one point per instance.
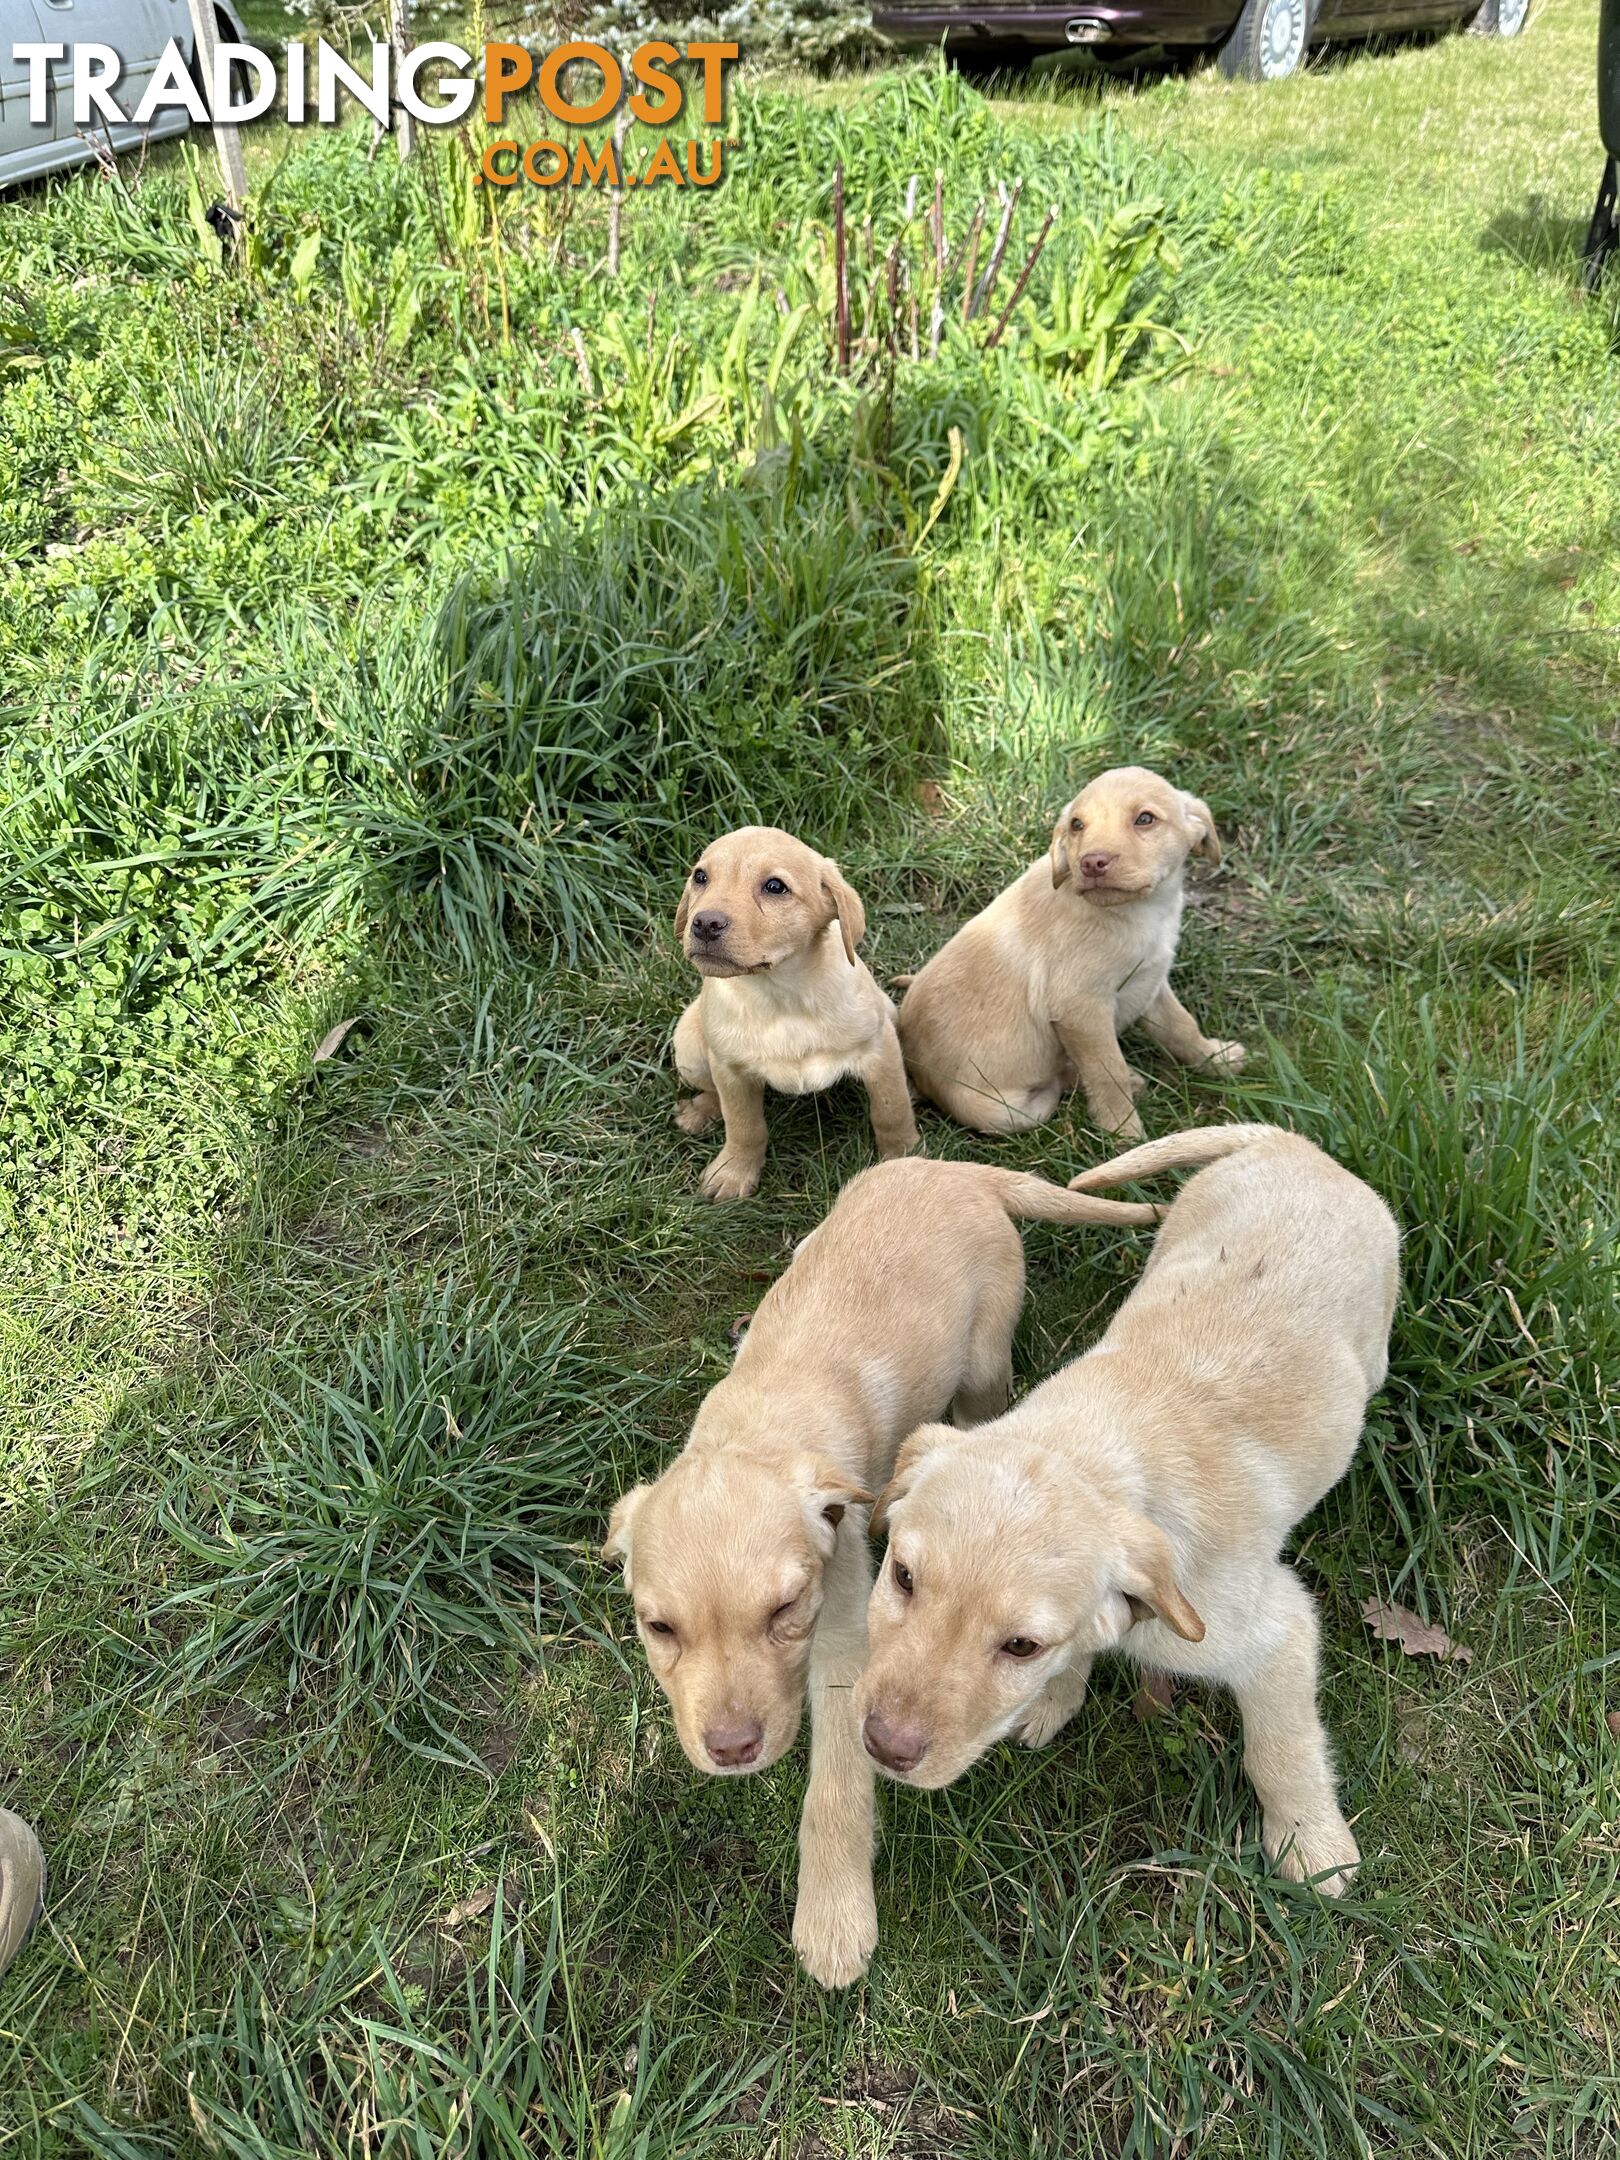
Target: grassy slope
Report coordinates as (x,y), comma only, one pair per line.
(1359,586)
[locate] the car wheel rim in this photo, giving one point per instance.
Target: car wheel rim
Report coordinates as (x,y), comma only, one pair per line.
(1282,37)
(1510,16)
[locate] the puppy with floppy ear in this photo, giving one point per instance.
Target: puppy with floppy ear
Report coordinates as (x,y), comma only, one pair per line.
(1030,997)
(1138,1500)
(747,1559)
(787,1002)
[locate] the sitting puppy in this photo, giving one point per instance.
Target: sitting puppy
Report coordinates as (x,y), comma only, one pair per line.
(1140,1498)
(1032,994)
(786,1002)
(749,1575)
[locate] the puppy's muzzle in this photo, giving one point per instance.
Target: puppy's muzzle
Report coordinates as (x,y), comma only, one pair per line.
(897,1746)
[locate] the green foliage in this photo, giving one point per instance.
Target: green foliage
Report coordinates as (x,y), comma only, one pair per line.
(375,1523)
(369,2066)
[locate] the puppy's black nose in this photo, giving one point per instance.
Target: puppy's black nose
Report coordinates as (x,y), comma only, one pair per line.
(897,1747)
(707,928)
(734,1746)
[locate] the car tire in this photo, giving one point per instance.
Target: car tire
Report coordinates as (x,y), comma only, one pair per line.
(1268,41)
(1500,18)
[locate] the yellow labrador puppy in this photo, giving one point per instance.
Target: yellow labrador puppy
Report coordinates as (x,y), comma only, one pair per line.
(786,1002)
(1140,1498)
(1031,995)
(747,1559)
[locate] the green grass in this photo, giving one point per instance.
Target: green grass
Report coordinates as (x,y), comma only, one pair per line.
(360,663)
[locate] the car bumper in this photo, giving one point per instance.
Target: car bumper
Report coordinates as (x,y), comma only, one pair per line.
(1112,22)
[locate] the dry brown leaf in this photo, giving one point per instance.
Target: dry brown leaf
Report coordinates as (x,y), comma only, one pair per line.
(333,1040)
(931,797)
(1612,1720)
(1154,1697)
(1418,1638)
(478,1902)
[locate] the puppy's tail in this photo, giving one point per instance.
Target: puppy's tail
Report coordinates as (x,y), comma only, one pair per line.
(1028,1198)
(901,982)
(1176,1151)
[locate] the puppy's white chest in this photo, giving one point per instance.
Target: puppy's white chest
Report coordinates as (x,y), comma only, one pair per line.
(1147,967)
(803,1070)
(792,1048)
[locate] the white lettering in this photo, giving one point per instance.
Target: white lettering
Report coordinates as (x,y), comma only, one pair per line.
(171,85)
(96,69)
(264,80)
(455,93)
(38,58)
(336,74)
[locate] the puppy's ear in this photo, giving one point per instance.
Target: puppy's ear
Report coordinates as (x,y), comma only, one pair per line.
(827,1494)
(1148,1581)
(1060,848)
(844,907)
(1207,841)
(616,1546)
(683,914)
(912,1450)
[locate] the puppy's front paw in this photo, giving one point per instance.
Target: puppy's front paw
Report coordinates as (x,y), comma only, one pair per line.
(1135,1081)
(731,1176)
(1129,1127)
(697,1113)
(1229,1056)
(1052,1708)
(1043,1722)
(891,1145)
(835,1926)
(1323,1851)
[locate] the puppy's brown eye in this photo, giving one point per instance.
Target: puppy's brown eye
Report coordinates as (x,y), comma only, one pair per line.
(700,877)
(1146,817)
(902,1579)
(1077,824)
(782,1611)
(659,1627)
(775,887)
(1020,1646)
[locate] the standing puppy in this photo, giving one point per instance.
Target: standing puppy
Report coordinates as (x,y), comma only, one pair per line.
(786,1002)
(747,1559)
(1140,1498)
(1032,994)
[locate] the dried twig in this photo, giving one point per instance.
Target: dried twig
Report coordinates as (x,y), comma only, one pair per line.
(972,248)
(840,269)
(936,321)
(582,360)
(994,339)
(1009,203)
(892,282)
(621,128)
(399,36)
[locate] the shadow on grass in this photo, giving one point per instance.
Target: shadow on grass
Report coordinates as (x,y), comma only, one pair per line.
(340,1545)
(1537,236)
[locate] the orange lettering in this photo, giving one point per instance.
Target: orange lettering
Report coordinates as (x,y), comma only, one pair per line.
(551,68)
(506,68)
(714,57)
(656,111)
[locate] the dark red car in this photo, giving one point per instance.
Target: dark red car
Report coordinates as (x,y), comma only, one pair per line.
(1261,40)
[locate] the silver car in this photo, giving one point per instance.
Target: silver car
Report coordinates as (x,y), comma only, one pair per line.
(137,30)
